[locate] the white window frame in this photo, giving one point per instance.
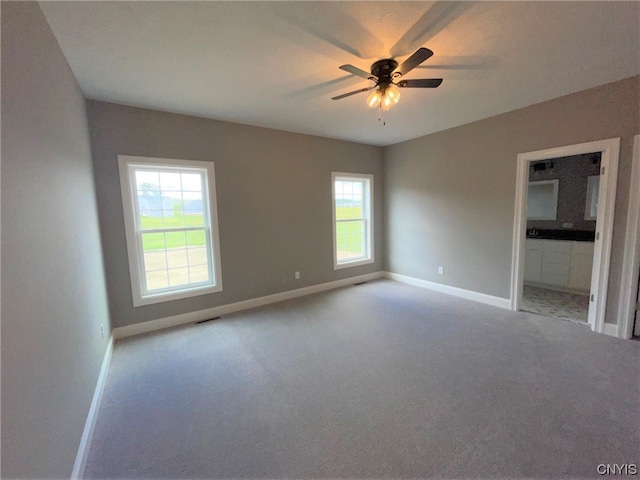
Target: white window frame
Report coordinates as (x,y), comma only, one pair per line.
(367,180)
(127,165)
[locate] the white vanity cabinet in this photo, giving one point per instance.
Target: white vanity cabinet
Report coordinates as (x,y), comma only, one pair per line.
(558,263)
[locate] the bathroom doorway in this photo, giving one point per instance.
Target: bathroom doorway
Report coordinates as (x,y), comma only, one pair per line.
(556,250)
(562,196)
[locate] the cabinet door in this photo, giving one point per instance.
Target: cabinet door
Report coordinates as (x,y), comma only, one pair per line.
(581,266)
(532,265)
(556,260)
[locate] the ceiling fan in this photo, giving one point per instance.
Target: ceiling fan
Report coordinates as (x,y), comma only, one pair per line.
(385,74)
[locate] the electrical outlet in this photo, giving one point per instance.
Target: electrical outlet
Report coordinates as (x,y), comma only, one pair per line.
(440,270)
(567,225)
(102,330)
(297,275)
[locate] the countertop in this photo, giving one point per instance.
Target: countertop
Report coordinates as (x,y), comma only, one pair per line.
(571,235)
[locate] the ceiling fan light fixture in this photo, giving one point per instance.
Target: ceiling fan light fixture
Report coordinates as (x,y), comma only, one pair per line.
(390,96)
(387,102)
(385,99)
(393,93)
(374,98)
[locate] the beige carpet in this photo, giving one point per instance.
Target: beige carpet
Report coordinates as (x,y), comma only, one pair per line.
(381,380)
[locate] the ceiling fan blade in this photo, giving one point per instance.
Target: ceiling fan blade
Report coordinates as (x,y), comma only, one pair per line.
(420,83)
(357,71)
(353,93)
(414,60)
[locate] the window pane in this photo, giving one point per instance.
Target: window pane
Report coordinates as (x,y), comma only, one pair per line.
(191,182)
(147,181)
(197,256)
(151,219)
(199,273)
(174,222)
(157,279)
(155,260)
(175,239)
(170,181)
(194,220)
(178,276)
(149,202)
(171,219)
(196,238)
(153,241)
(177,257)
(193,209)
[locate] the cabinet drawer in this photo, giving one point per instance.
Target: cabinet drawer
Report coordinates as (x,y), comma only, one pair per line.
(553,257)
(555,269)
(557,246)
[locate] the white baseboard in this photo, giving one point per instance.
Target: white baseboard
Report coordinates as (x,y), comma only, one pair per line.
(190,317)
(455,291)
(92,416)
(610,329)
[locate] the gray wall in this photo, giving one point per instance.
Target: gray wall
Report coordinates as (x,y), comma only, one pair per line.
(573,173)
(449,196)
(53,289)
(274,202)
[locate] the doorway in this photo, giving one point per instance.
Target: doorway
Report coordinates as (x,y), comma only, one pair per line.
(609,152)
(559,245)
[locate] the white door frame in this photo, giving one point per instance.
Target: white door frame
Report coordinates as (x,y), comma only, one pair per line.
(631,262)
(610,150)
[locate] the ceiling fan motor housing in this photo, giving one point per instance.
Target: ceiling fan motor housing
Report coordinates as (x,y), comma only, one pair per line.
(383,69)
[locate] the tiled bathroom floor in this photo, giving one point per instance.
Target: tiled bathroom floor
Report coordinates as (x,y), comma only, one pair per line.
(552,303)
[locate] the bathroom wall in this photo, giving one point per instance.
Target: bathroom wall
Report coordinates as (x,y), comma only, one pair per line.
(572,173)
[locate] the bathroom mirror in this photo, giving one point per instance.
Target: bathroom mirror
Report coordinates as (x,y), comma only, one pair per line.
(593,189)
(542,200)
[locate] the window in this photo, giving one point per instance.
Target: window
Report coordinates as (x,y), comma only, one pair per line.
(352,219)
(171,225)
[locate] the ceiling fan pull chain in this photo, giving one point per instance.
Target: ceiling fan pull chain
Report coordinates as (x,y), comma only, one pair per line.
(380,114)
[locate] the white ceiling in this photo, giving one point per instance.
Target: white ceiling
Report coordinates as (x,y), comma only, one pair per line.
(275,64)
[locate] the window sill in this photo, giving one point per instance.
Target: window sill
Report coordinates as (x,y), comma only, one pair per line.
(353,263)
(139,301)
